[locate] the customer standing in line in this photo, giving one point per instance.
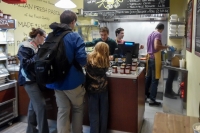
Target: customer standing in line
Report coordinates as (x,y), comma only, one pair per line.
(26,54)
(70,91)
(96,87)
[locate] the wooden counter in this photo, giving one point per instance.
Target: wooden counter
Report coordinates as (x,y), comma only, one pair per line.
(126,102)
(170,123)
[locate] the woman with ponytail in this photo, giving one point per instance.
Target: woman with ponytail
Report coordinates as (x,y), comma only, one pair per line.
(37,106)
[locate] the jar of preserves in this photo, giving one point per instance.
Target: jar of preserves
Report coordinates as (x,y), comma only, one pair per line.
(133,67)
(114,69)
(123,64)
(134,63)
(127,70)
(128,66)
(122,68)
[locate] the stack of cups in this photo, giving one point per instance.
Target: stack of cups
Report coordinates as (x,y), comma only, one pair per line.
(181,30)
(182,63)
(173,28)
(173,18)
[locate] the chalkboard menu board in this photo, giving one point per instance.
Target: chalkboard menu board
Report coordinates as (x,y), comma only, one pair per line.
(197,38)
(127,7)
(189,25)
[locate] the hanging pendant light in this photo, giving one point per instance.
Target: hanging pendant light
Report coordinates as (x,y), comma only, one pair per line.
(67,4)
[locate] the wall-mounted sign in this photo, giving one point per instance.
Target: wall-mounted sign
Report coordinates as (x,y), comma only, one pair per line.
(128,7)
(189,25)
(7,23)
(197,38)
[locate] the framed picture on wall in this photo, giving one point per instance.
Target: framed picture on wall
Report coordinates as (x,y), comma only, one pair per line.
(197,36)
(189,25)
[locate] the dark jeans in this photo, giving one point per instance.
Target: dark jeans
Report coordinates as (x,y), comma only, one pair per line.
(151,83)
(169,83)
(98,112)
(37,110)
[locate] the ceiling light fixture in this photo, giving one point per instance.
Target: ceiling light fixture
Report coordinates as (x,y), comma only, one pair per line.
(66,4)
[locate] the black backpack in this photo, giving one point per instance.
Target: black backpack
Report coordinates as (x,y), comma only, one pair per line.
(51,62)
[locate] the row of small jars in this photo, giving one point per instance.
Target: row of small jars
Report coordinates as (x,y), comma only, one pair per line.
(125,69)
(12,60)
(5,16)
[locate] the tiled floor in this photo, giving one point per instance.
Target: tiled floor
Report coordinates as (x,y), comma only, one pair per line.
(149,117)
(146,128)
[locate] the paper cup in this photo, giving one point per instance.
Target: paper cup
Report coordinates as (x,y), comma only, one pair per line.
(180,64)
(196,128)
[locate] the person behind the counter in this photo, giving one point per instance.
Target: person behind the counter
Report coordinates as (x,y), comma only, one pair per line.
(104,33)
(154,47)
(96,87)
(70,91)
(26,54)
(119,32)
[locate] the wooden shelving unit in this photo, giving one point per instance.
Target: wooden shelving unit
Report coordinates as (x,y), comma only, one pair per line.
(177,23)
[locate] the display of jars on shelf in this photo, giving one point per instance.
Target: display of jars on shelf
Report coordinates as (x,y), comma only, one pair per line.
(8,87)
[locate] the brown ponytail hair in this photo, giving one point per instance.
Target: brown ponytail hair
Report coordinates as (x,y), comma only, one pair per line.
(35,31)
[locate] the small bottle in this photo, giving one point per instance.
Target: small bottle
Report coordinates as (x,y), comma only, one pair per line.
(1,14)
(8,61)
(9,16)
(5,16)
(14,61)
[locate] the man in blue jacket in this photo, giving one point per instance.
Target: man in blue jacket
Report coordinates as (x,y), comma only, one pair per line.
(70,91)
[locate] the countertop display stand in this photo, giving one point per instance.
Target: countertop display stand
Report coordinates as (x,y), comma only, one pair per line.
(8,88)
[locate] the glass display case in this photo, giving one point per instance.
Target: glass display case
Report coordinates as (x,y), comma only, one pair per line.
(8,88)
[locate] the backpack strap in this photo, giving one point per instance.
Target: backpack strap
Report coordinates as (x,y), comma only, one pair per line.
(58,36)
(74,62)
(63,34)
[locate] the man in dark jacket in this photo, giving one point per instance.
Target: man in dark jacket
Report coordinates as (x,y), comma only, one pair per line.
(70,91)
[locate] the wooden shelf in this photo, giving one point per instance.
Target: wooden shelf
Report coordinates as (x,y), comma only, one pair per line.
(177,23)
(87,26)
(176,37)
(79,15)
(83,15)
